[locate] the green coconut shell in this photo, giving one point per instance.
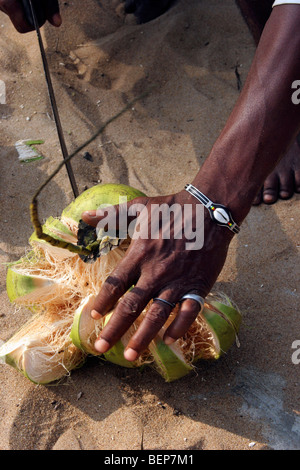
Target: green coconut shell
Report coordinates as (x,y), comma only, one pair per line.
(84,326)
(224,327)
(99,195)
(19,286)
(169,361)
(57,230)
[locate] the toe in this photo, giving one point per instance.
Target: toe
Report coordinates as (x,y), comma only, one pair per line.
(270,196)
(271,189)
(286,185)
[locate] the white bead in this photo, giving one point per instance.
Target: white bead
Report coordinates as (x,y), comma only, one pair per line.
(221,215)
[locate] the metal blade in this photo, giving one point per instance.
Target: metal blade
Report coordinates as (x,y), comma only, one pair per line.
(52,99)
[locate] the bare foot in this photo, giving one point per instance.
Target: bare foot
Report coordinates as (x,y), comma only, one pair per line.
(147,10)
(284,181)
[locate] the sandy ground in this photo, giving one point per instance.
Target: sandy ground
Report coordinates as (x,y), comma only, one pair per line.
(99,59)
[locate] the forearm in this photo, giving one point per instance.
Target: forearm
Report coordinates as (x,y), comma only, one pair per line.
(264,121)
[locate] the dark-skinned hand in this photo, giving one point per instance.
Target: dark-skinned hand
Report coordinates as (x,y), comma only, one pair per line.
(48,10)
(158,267)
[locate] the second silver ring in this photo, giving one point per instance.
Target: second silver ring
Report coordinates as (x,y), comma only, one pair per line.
(195,297)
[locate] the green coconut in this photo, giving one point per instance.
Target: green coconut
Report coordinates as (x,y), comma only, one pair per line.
(98,196)
(21,286)
(85,330)
(115,355)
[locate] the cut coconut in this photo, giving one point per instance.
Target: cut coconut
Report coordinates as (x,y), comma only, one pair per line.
(42,349)
(47,280)
(169,360)
(213,332)
(224,322)
(85,329)
(59,231)
(20,287)
(35,284)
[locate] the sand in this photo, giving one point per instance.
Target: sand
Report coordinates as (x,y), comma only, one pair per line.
(99,59)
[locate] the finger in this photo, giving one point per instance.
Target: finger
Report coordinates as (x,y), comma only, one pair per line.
(126,312)
(188,311)
(121,279)
(154,320)
(52,13)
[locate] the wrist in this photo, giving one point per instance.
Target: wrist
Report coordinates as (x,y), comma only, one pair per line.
(219,213)
(227,189)
(212,230)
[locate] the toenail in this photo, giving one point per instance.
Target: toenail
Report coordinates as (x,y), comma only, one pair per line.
(285,194)
(268,198)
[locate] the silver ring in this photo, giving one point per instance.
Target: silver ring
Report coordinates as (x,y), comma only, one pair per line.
(195,297)
(165,302)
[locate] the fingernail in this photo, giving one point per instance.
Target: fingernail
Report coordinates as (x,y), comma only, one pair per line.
(95,315)
(130,354)
(56,19)
(168,340)
(90,213)
(101,345)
